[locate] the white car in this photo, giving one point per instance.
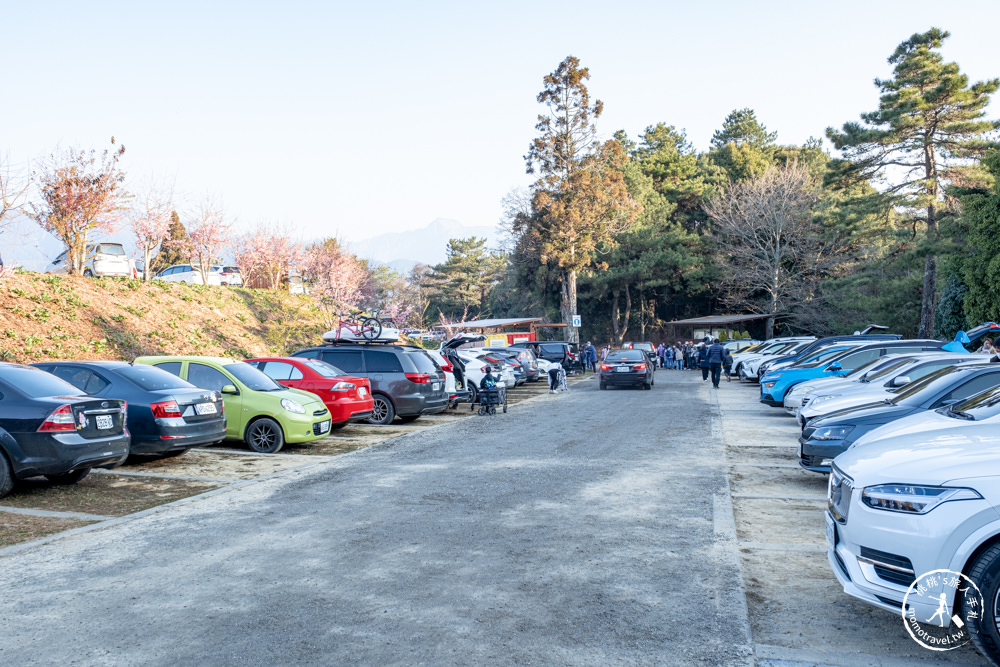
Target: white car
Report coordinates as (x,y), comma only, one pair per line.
(744,361)
(824,401)
(102,259)
(829,384)
(906,505)
(229,275)
(475,369)
(449,372)
(186,273)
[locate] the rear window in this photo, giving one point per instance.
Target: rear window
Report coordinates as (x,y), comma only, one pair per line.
(36,382)
(152,378)
(110,249)
(551,349)
(625,355)
(324,369)
(423,362)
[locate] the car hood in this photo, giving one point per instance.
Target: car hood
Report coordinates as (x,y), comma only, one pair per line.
(308,399)
(932,458)
(851,397)
(920,424)
(868,413)
(827,385)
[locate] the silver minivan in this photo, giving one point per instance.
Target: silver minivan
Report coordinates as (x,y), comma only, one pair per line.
(103,259)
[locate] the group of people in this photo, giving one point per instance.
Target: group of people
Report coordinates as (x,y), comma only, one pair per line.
(710,356)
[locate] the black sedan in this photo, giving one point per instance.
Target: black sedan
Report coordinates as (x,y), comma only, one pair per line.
(166,415)
(51,428)
(627,368)
(825,437)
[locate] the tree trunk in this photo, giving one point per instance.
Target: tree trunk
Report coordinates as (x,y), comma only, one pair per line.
(929,294)
(769,328)
(568,306)
(619,325)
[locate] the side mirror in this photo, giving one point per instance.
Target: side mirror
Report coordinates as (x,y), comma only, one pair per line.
(834,367)
(900,380)
(230,389)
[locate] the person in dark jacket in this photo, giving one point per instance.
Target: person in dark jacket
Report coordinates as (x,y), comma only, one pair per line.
(716,356)
(703,361)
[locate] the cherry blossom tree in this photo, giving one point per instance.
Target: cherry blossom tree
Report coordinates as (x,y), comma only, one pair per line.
(150,219)
(266,254)
(80,191)
(14,187)
(335,275)
(210,233)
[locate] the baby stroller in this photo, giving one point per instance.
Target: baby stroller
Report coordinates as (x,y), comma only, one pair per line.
(490,398)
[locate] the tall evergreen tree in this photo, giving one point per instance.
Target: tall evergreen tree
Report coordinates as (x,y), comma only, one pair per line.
(464,281)
(981,210)
(929,124)
(580,199)
(743,147)
(175,249)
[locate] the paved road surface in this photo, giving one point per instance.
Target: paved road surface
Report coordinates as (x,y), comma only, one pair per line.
(586,528)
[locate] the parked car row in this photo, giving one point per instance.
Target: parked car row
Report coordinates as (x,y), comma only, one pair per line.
(110,259)
(908,432)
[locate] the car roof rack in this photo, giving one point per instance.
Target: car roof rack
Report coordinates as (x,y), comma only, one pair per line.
(376,342)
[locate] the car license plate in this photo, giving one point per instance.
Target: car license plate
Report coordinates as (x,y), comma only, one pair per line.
(831,530)
(361,392)
(437,386)
(104,422)
(205,408)
(622,369)
(324,426)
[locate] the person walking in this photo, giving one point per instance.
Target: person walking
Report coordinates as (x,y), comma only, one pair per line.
(668,357)
(716,356)
(592,356)
(605,351)
(727,365)
(703,361)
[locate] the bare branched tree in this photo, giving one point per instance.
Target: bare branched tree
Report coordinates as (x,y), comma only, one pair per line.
(14,185)
(772,248)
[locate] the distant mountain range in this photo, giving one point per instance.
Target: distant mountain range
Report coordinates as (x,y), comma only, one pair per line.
(428,245)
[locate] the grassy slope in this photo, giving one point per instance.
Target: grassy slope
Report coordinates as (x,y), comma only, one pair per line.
(46,317)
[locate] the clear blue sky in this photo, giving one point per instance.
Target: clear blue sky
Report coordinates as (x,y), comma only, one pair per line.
(362,118)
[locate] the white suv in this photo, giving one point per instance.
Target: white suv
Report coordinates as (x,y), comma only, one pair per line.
(186,273)
(102,259)
(904,506)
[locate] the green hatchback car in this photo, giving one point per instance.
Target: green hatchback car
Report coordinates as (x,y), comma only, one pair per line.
(259,411)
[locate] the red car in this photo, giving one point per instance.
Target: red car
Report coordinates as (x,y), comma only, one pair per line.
(348,398)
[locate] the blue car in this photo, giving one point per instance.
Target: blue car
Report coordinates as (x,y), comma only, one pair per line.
(833,362)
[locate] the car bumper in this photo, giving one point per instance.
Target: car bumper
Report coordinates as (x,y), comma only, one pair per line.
(767,399)
(57,453)
(346,410)
(305,428)
(625,379)
(877,554)
(168,438)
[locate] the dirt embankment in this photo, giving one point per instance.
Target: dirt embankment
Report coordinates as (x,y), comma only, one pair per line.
(44,317)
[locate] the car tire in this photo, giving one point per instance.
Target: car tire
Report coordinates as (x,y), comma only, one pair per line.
(985,572)
(68,478)
(174,453)
(264,436)
(382,411)
(87,273)
(409,419)
(6,476)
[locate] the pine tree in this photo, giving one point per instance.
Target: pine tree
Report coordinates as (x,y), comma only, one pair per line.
(743,147)
(176,249)
(929,125)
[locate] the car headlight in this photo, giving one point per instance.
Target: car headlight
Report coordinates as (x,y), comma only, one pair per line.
(769,384)
(800,389)
(292,406)
(819,399)
(831,433)
(913,499)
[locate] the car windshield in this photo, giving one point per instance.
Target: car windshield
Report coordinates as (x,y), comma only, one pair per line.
(252,378)
(981,406)
(323,368)
(909,394)
(879,368)
(34,382)
(625,355)
(151,378)
(820,358)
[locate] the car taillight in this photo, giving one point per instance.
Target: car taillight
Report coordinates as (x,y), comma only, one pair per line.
(605,367)
(571,355)
(343,386)
(419,378)
(640,367)
(165,409)
(484,369)
(448,367)
(61,419)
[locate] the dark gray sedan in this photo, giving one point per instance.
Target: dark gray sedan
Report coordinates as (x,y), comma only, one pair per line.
(627,368)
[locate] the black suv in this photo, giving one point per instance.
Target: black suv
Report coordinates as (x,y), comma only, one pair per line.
(406,382)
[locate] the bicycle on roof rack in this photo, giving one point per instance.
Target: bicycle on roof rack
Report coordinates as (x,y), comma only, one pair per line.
(359,325)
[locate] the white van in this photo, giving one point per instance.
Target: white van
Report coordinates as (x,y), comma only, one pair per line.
(103,259)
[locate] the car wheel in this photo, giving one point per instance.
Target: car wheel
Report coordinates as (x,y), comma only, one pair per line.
(382,412)
(6,476)
(985,572)
(409,419)
(173,453)
(87,273)
(69,477)
(265,436)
